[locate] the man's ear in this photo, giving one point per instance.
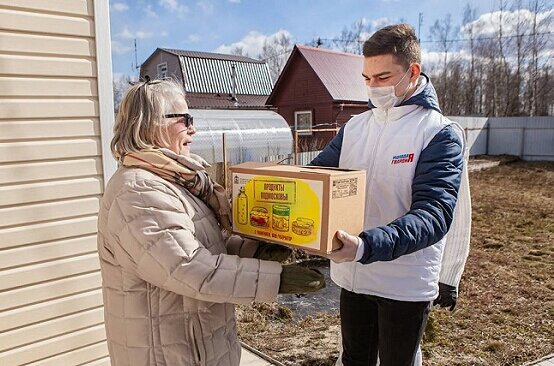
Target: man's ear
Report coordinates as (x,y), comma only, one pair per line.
(415,72)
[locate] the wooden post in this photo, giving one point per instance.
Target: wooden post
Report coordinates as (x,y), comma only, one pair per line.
(296,147)
(224,161)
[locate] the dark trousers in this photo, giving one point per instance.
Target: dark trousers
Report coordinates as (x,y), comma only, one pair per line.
(373,325)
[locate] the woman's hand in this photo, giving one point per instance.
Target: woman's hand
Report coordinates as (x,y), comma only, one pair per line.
(272,252)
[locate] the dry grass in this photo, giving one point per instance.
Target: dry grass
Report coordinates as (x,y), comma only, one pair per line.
(505,314)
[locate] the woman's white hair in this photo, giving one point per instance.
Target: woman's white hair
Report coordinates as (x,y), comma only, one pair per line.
(140,123)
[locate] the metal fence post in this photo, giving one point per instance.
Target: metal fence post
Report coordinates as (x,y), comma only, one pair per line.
(224,161)
(487,144)
(522,152)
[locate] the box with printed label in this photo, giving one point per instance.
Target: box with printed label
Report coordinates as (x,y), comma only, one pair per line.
(297,205)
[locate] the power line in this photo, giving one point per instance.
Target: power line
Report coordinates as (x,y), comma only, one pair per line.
(318,41)
(338,40)
(487,38)
(277,55)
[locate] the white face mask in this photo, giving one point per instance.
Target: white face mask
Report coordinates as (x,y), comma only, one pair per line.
(385,96)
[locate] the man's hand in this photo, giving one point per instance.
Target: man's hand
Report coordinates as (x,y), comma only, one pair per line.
(448,295)
(346,253)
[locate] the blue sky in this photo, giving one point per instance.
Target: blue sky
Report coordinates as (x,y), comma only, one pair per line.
(210,25)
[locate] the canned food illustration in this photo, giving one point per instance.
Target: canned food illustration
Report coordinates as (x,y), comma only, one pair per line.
(281,218)
(303,226)
(259,217)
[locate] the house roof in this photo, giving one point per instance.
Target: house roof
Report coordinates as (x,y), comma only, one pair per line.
(211,55)
(211,73)
(339,72)
(223,101)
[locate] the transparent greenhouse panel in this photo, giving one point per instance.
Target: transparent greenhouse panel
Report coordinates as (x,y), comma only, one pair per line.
(250,135)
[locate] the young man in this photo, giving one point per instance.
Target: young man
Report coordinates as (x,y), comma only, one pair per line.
(413,156)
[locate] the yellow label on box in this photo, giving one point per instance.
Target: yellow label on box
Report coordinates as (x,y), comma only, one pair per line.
(286,210)
(274,191)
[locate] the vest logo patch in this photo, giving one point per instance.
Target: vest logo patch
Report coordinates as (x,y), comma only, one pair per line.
(403,158)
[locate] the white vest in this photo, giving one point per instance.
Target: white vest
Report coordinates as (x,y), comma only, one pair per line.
(388,144)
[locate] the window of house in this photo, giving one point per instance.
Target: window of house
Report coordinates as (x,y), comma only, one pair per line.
(303,121)
(162,70)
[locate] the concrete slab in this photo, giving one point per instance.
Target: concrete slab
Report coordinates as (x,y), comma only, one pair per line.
(545,361)
(250,359)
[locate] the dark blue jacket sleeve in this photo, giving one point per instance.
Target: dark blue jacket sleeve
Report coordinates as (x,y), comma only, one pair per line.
(434,194)
(330,155)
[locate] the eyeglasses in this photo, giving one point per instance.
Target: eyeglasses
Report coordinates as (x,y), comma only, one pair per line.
(188,120)
(147,82)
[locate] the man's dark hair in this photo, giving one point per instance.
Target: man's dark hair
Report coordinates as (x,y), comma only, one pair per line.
(399,40)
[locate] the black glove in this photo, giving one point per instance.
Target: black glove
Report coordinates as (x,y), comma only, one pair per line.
(272,252)
(296,279)
(448,295)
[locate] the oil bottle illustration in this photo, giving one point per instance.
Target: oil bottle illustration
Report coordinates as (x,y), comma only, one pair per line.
(242,207)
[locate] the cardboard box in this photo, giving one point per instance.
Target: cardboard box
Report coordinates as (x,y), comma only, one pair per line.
(297,205)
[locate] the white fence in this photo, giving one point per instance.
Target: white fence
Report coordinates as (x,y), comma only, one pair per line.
(304,158)
(530,138)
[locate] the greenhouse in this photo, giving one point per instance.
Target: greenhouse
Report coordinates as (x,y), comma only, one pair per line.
(250,135)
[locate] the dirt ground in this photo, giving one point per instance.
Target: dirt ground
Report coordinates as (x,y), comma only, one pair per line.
(505,312)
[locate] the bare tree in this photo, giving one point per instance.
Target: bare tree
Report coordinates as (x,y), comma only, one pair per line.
(442,33)
(239,51)
(503,84)
(120,86)
(505,66)
(469,30)
(519,50)
(351,38)
(538,43)
(275,52)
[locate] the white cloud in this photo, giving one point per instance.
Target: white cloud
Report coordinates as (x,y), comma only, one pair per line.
(379,23)
(119,48)
(193,38)
(175,7)
(150,12)
(253,42)
(206,6)
(120,6)
(234,1)
(127,34)
(487,24)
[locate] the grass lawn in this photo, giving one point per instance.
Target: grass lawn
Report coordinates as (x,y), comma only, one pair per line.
(505,313)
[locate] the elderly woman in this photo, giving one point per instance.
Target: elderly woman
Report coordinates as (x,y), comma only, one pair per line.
(169,277)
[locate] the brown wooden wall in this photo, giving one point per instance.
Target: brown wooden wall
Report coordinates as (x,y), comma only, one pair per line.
(303,90)
(150,67)
(342,115)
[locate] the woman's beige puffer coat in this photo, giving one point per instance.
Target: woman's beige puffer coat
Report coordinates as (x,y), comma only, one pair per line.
(168,285)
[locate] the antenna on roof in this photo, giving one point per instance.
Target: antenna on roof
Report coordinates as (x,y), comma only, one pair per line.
(137,66)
